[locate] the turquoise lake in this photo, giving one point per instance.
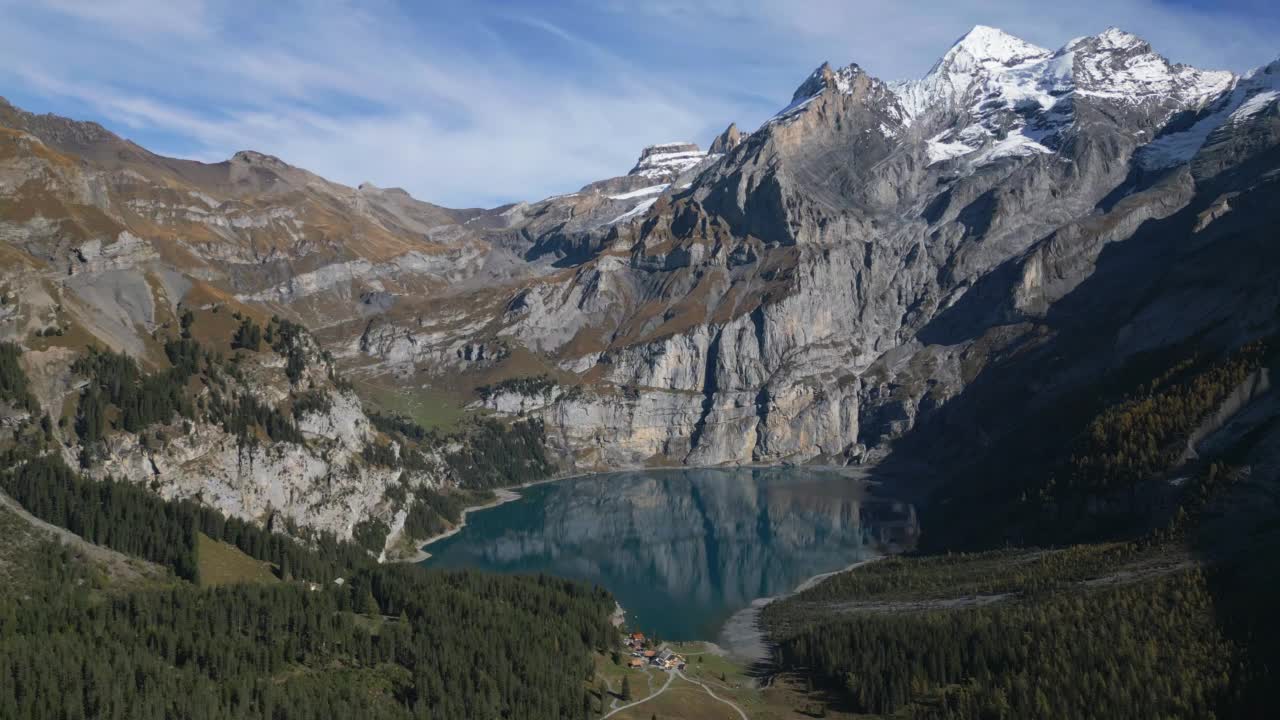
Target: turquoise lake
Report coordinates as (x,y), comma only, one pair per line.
(682,550)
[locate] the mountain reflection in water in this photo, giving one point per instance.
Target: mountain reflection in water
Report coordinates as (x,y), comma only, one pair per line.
(684,549)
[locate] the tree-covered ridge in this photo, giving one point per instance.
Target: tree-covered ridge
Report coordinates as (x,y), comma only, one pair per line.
(500,454)
(247,416)
(440,473)
(1114,630)
(526,386)
(484,453)
(1130,629)
(31,555)
(1145,434)
(1095,465)
(248,335)
(120,395)
(290,340)
(200,384)
(126,517)
(434,512)
(1133,651)
(140,399)
(13,381)
(310,402)
(481,455)
(285,337)
(402,643)
(986,573)
(383,642)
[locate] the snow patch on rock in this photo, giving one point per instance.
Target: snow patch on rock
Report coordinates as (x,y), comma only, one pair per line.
(1251,95)
(651,190)
(939,149)
(667,159)
(639,209)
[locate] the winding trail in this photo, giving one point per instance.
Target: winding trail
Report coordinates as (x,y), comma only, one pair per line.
(119,565)
(670,677)
(743,638)
(712,694)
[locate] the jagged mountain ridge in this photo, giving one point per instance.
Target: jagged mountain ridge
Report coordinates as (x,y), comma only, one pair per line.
(807,290)
(106,244)
(820,249)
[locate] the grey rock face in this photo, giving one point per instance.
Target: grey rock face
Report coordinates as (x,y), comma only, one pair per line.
(814,289)
(852,265)
(726,141)
(666,161)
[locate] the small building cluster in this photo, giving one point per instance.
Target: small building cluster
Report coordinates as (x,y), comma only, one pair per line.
(643,653)
(667,660)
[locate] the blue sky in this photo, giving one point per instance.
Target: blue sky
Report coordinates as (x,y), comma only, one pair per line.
(488,101)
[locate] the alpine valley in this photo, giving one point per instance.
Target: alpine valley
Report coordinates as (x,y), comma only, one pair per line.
(1033,292)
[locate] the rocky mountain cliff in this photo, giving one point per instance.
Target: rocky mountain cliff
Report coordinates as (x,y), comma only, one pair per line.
(849,278)
(857,262)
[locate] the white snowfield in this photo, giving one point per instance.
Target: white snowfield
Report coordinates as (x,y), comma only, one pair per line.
(1252,94)
(651,190)
(994,75)
(639,209)
(939,148)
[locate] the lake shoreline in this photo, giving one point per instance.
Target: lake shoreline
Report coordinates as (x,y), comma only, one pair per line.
(741,636)
(512,492)
(843,500)
(503,496)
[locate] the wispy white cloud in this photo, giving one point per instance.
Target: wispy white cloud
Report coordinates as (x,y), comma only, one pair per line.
(351,94)
(481,103)
(137,18)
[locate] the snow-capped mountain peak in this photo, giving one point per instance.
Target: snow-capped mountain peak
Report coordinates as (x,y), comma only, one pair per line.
(993,64)
(994,95)
(982,57)
(984,45)
(1252,94)
(1113,38)
(1119,65)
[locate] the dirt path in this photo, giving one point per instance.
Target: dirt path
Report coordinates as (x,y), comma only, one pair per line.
(743,639)
(667,684)
(816,579)
(900,606)
(1131,572)
(1142,570)
(712,694)
(608,686)
(118,564)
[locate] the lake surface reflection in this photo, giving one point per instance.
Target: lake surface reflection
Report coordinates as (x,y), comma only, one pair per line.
(684,549)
